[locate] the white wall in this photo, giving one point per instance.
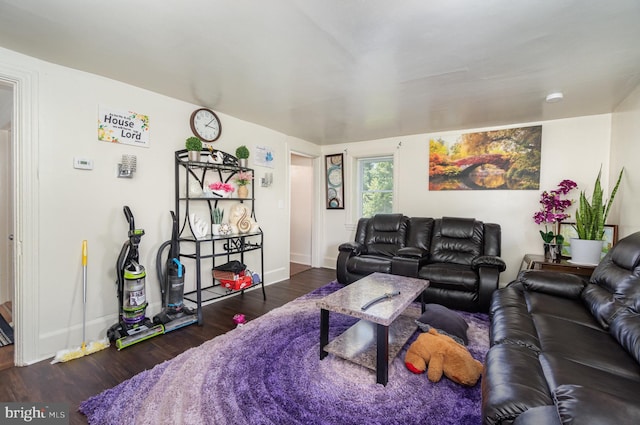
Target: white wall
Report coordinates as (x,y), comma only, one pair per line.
(625,152)
(301,173)
(571,149)
(76,204)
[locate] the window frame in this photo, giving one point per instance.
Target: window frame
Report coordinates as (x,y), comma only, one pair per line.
(359,192)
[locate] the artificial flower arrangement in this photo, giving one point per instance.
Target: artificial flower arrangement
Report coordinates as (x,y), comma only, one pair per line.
(243,178)
(553,211)
(222,189)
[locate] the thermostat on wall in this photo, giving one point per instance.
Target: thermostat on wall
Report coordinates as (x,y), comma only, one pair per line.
(83,163)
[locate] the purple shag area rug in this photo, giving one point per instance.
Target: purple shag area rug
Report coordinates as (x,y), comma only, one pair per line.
(269,372)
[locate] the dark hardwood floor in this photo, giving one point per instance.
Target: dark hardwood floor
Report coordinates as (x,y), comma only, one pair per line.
(295,268)
(75,381)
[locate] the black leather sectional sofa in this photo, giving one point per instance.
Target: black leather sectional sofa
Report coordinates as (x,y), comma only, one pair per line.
(459,256)
(567,351)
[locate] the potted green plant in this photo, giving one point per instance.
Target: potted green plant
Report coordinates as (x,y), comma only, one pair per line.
(194,146)
(242,153)
(216,216)
(590,219)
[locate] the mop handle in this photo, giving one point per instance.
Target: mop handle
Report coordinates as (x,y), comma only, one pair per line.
(84,289)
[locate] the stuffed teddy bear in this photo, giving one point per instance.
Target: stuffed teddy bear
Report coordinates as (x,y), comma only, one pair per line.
(442,354)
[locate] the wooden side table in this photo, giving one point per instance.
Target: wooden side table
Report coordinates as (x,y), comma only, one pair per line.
(538,262)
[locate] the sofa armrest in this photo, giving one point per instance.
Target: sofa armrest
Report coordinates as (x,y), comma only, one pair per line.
(488,261)
(346,251)
(413,252)
(565,285)
(409,261)
(353,247)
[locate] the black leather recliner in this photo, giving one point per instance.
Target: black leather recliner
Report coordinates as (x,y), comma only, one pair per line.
(377,241)
(459,256)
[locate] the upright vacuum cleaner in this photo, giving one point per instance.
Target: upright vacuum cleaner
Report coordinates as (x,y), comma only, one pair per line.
(174,314)
(133,326)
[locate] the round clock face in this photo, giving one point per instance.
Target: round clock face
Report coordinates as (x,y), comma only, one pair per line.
(205,125)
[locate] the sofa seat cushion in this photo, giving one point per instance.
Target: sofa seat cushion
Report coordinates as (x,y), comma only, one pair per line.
(584,345)
(514,312)
(559,371)
(367,264)
(580,405)
(513,382)
(547,415)
(450,276)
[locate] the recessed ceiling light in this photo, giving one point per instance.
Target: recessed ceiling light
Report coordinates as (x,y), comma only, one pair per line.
(554,97)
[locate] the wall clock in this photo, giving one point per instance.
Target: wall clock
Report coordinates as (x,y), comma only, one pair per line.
(205,125)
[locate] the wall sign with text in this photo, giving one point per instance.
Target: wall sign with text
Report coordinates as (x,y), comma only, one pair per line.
(126,127)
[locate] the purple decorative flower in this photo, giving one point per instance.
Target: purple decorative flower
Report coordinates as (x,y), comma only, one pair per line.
(553,209)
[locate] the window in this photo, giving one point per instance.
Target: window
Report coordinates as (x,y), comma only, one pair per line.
(375,186)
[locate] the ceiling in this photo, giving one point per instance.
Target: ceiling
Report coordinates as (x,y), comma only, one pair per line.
(333,71)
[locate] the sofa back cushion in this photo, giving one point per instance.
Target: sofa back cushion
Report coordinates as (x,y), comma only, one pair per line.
(385,234)
(625,328)
(615,283)
(420,230)
(456,240)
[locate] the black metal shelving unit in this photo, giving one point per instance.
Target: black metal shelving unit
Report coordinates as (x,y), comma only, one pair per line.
(212,248)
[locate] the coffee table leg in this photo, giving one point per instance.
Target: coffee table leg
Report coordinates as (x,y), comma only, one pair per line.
(324,332)
(382,355)
(422,301)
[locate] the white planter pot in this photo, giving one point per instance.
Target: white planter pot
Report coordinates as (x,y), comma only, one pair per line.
(215,229)
(586,251)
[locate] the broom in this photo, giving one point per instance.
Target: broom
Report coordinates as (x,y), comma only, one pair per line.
(85,349)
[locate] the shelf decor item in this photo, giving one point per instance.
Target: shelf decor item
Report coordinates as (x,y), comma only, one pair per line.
(194,146)
(552,212)
(590,219)
(222,190)
(216,217)
(242,179)
(242,153)
(198,226)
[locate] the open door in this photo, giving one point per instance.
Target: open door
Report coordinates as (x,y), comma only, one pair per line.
(7,207)
(301,224)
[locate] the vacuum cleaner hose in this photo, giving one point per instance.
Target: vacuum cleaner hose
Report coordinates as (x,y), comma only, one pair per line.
(159,269)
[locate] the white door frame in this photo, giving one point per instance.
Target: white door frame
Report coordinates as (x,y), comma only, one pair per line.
(24,136)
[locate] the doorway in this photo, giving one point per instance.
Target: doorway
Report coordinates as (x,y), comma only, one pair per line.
(302,196)
(7,276)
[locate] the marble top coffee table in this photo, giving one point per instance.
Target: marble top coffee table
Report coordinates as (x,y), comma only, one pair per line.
(382,331)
